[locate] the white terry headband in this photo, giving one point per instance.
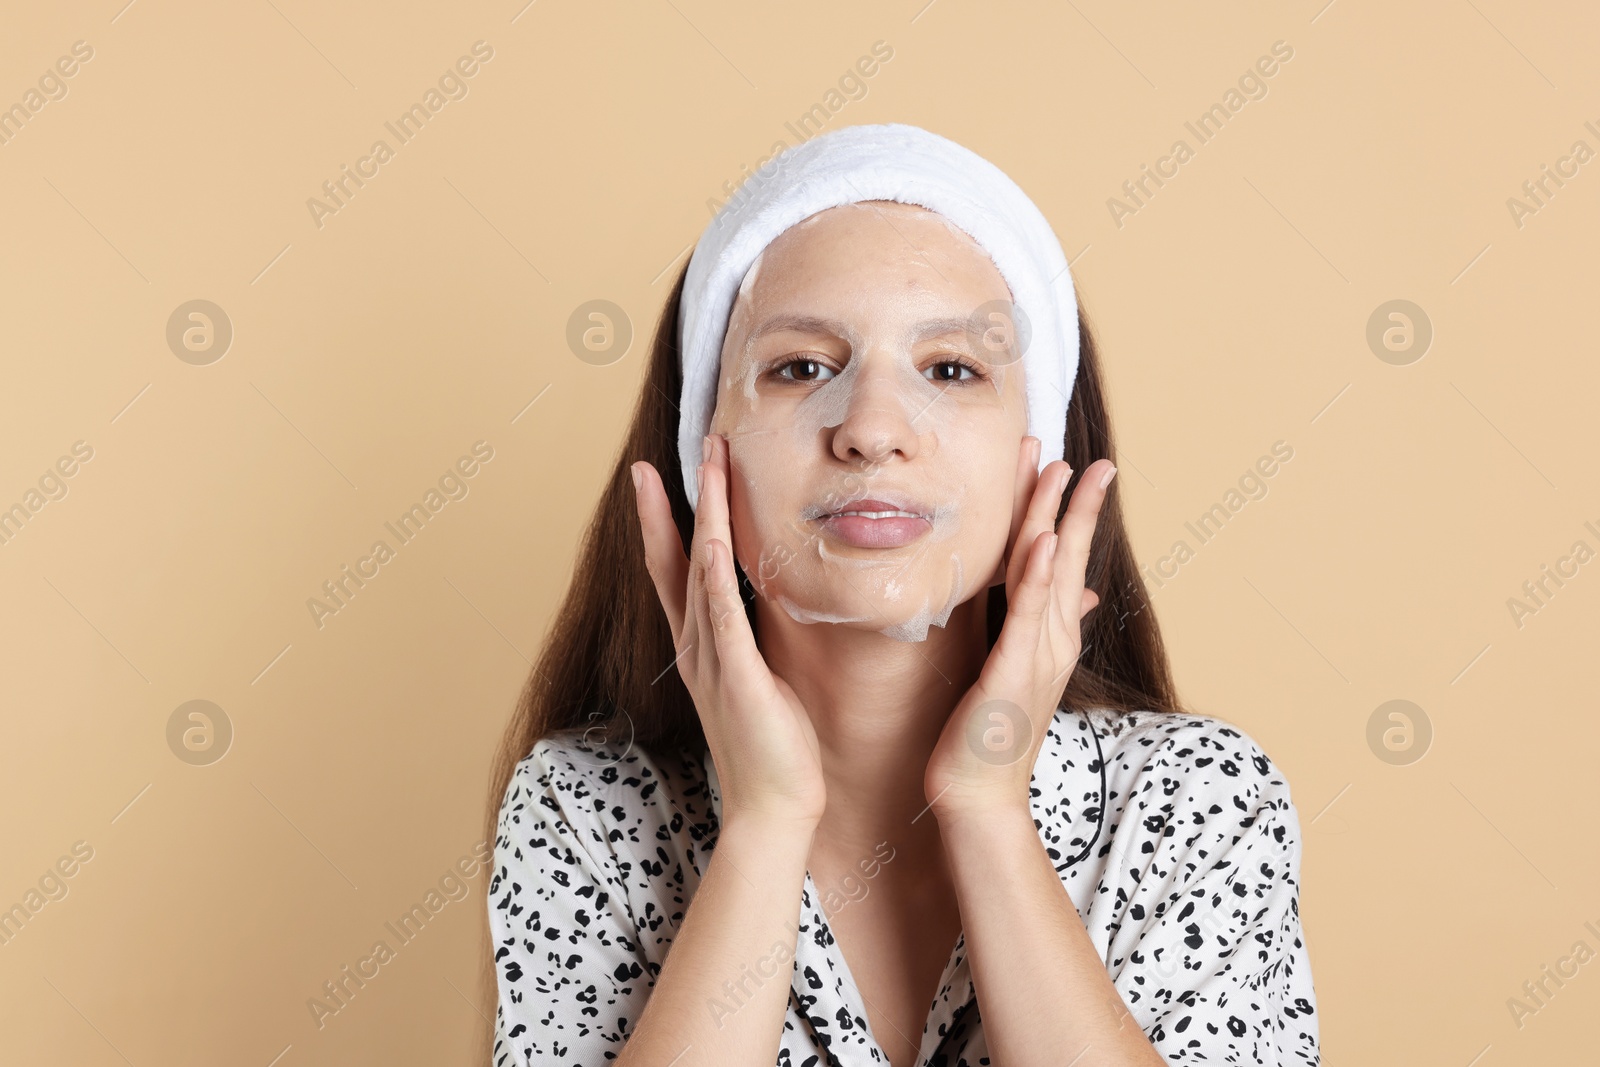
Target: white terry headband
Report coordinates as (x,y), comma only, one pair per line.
(892,161)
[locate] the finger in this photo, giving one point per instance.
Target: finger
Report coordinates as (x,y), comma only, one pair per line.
(1091,600)
(1077,530)
(1077,536)
(663,547)
(702,509)
(1025,608)
(698,646)
(1040,517)
(738,658)
(711,523)
(1027,478)
(711,513)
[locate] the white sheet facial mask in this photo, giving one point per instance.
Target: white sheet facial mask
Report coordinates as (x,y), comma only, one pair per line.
(841,381)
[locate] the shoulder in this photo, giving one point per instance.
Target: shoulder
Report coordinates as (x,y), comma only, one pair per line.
(1202,747)
(1190,768)
(580,773)
(1196,901)
(624,805)
(1196,814)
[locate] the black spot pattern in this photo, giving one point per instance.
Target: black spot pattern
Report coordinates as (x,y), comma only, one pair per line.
(1174,835)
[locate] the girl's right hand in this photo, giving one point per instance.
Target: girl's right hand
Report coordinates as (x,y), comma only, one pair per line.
(768,760)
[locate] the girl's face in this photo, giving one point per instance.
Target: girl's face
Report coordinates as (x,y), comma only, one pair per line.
(869,367)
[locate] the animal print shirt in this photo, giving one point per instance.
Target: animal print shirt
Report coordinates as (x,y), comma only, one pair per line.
(1174,835)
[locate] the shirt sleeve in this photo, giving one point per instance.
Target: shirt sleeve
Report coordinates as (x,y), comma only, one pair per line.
(570,976)
(1218,970)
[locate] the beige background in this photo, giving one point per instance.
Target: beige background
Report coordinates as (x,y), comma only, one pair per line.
(431,311)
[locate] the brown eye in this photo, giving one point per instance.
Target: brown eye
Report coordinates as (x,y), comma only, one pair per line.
(809,370)
(949,370)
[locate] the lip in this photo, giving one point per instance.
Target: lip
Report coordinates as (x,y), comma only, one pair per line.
(864,531)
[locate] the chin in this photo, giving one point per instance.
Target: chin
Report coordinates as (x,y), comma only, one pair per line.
(904,609)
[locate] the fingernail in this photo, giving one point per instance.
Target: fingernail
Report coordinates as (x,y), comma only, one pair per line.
(1050,553)
(705,448)
(1110,474)
(638,478)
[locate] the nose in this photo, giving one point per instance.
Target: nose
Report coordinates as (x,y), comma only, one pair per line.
(876,426)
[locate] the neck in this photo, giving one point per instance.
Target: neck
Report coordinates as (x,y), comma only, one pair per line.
(878,706)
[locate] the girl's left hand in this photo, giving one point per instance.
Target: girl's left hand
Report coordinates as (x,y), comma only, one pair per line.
(984,757)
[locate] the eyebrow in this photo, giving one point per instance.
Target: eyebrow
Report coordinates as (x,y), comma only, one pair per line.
(941,328)
(924,331)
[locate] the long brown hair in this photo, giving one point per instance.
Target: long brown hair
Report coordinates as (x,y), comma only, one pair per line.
(603,666)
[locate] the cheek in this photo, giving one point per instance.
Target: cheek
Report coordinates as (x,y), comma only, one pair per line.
(985,539)
(763,538)
(747,540)
(988,498)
